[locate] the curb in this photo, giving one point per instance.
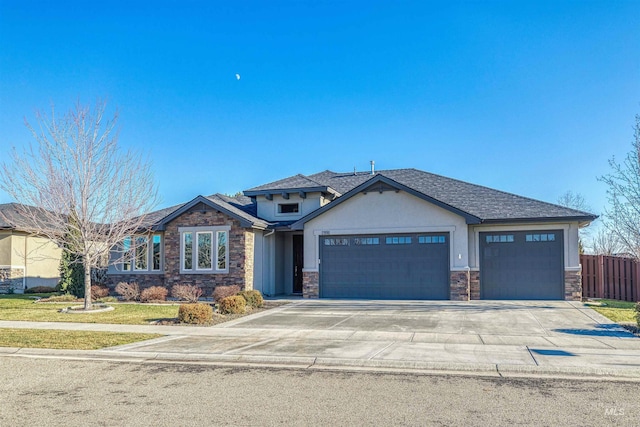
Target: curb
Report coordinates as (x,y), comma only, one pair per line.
(317,363)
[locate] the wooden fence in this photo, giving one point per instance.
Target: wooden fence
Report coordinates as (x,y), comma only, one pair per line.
(610,277)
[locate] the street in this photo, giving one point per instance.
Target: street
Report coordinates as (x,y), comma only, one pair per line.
(56,392)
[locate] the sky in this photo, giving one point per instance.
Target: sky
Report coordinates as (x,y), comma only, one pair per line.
(531,98)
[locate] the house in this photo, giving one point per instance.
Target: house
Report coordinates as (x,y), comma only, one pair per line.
(26,260)
(391,234)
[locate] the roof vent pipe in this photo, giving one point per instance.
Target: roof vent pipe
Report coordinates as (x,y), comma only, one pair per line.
(373,166)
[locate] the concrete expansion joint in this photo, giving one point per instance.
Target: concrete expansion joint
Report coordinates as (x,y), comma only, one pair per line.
(315,359)
(381,350)
(531,354)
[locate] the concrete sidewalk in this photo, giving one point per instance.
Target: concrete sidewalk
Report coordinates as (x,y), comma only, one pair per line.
(486,338)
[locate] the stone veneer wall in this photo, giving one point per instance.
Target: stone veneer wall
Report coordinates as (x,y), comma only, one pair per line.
(474,284)
(573,285)
(240,256)
(459,286)
(143,280)
(310,284)
(11,279)
(249,250)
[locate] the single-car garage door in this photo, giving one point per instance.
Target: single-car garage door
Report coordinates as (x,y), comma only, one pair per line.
(522,265)
(385,266)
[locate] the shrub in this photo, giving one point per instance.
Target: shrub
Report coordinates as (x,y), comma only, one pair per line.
(197,313)
(128,291)
(234,304)
(253,298)
(638,312)
(189,293)
(40,290)
(99,291)
(154,293)
(221,292)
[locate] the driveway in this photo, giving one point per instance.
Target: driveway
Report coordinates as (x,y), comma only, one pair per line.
(488,336)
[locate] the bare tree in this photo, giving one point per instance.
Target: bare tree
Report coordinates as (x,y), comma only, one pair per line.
(623,214)
(605,243)
(76,187)
(578,202)
(574,201)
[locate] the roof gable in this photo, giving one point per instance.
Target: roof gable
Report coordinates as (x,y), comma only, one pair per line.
(218,203)
(382,183)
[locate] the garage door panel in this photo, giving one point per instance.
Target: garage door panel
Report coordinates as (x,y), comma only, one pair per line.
(384,267)
(527,265)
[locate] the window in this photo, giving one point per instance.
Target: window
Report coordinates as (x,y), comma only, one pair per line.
(398,240)
(499,238)
(204,249)
(431,239)
(222,249)
(545,237)
(155,254)
(288,208)
(140,256)
(336,242)
(142,253)
(126,254)
(366,241)
(187,251)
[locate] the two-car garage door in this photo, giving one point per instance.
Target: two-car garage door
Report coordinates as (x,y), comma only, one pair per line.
(385,266)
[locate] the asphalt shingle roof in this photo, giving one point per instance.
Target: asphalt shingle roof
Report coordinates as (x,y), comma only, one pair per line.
(484,203)
(241,206)
(293,182)
(23,217)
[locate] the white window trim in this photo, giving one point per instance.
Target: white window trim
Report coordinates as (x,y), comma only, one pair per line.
(276,207)
(214,252)
(119,266)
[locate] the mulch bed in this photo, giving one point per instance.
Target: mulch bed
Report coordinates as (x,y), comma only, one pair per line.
(222,318)
(634,329)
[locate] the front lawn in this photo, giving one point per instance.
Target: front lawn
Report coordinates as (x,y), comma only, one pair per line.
(617,311)
(24,307)
(70,340)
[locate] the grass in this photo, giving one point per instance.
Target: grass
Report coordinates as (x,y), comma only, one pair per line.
(617,311)
(22,307)
(75,340)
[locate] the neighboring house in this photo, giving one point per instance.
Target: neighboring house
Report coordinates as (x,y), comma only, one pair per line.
(394,234)
(26,260)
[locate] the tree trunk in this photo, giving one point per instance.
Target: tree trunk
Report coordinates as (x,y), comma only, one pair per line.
(87,284)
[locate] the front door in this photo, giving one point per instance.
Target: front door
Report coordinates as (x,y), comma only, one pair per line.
(298,262)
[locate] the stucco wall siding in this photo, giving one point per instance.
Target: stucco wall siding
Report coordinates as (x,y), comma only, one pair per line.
(387,212)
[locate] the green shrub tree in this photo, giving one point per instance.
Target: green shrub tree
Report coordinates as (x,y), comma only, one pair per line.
(71,275)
